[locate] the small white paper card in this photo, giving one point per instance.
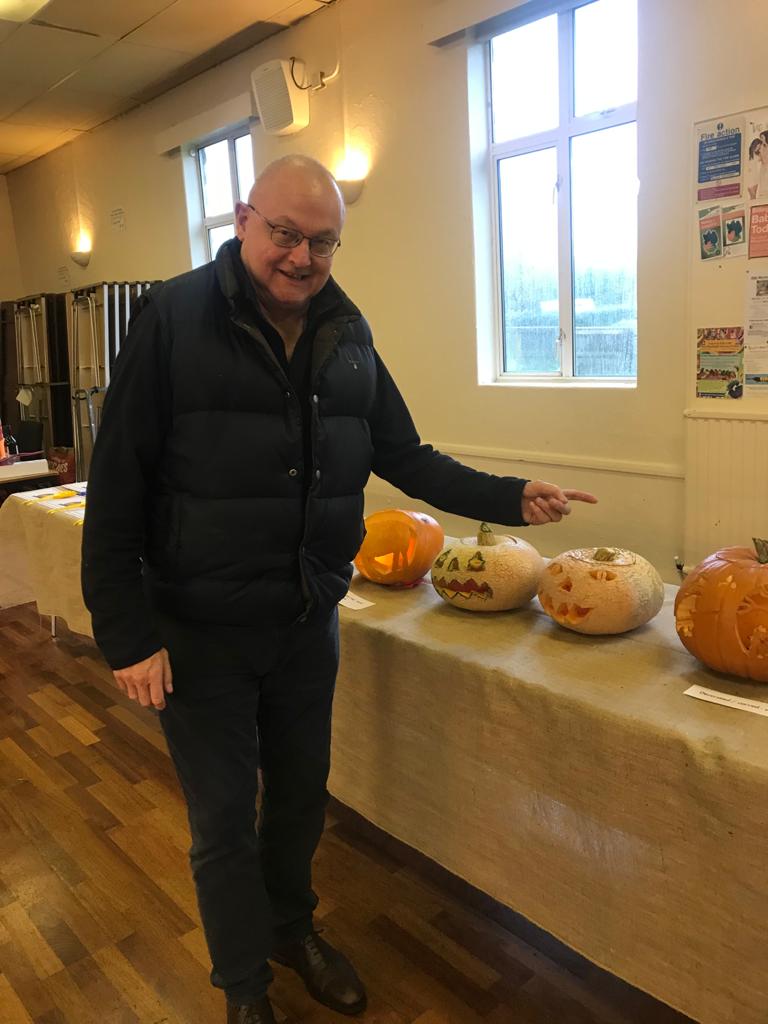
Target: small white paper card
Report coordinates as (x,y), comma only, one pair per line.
(757,707)
(353,601)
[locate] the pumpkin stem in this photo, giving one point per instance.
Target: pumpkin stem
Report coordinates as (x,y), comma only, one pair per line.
(604,555)
(485,536)
(761,548)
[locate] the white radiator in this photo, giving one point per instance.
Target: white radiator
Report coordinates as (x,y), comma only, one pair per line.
(726,482)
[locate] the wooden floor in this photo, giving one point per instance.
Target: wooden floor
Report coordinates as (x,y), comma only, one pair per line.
(98,923)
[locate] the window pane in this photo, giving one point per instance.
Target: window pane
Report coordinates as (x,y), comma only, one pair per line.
(217,237)
(524,80)
(216,179)
(604,218)
(528,206)
(605,55)
(245,173)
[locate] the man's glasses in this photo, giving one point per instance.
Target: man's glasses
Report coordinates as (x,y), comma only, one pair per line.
(289,238)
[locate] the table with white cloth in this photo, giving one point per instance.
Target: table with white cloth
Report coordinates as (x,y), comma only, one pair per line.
(567,776)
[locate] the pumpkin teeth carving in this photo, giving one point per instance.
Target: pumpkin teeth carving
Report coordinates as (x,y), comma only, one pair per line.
(572,613)
(467,589)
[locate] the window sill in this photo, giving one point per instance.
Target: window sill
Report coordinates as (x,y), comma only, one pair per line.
(580,383)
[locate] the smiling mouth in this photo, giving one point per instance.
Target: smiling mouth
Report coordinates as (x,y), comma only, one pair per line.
(294,277)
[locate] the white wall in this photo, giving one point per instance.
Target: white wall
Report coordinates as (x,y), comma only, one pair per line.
(407,254)
(10,273)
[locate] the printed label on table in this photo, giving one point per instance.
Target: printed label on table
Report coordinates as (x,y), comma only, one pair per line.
(353,601)
(757,707)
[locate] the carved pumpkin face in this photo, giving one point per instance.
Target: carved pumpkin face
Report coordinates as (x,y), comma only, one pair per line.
(399,546)
(721,613)
(487,573)
(601,590)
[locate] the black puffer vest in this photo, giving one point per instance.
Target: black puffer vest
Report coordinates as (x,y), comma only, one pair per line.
(241,531)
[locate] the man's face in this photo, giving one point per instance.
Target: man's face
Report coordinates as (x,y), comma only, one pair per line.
(286,279)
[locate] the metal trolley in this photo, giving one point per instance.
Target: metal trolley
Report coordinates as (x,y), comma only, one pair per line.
(98,324)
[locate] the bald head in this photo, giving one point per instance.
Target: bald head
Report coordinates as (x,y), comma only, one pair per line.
(300,176)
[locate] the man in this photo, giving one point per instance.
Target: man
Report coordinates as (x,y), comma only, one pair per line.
(244,416)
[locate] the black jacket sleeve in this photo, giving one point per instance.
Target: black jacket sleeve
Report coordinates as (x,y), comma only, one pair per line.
(421,472)
(124,465)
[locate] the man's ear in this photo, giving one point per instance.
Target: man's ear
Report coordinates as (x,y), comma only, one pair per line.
(241,219)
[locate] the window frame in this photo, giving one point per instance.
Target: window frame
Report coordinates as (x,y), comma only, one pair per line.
(558,138)
(231,135)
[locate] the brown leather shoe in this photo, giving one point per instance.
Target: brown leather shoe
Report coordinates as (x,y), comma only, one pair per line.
(259,1012)
(330,978)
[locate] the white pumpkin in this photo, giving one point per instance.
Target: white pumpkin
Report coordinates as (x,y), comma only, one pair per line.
(487,573)
(601,590)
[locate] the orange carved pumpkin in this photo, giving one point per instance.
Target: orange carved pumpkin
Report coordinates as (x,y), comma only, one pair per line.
(721,611)
(399,546)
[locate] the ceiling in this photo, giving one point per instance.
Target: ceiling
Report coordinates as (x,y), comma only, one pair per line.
(74,64)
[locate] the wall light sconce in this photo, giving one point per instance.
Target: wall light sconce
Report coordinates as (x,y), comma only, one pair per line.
(81,254)
(351,174)
(351,189)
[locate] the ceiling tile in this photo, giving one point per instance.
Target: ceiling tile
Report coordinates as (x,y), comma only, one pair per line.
(43,56)
(105,18)
(6,158)
(289,13)
(67,108)
(125,69)
(21,138)
(53,141)
(6,27)
(189,26)
(14,95)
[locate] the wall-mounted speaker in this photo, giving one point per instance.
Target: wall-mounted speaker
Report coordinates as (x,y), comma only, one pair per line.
(283,107)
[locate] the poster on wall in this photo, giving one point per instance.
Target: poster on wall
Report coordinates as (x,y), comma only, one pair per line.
(719,158)
(756,340)
(758,232)
(734,228)
(710,233)
(719,362)
(757,155)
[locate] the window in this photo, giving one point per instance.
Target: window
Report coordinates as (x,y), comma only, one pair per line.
(225,170)
(564,168)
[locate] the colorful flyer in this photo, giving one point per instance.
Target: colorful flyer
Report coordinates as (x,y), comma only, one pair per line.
(758,232)
(710,233)
(734,220)
(719,158)
(757,155)
(719,362)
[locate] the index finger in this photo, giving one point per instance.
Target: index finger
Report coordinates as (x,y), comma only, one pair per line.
(156,689)
(580,496)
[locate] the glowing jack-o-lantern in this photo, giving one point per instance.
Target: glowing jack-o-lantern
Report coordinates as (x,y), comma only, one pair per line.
(721,611)
(487,573)
(601,590)
(399,546)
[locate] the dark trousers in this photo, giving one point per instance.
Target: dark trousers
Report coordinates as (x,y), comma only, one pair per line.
(269,708)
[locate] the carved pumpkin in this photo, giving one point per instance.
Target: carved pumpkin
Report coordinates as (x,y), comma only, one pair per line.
(487,573)
(721,611)
(601,590)
(399,546)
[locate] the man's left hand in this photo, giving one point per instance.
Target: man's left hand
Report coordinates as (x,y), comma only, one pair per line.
(547,503)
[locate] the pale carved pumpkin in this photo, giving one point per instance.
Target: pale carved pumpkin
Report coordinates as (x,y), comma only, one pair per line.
(487,573)
(601,590)
(399,546)
(721,611)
